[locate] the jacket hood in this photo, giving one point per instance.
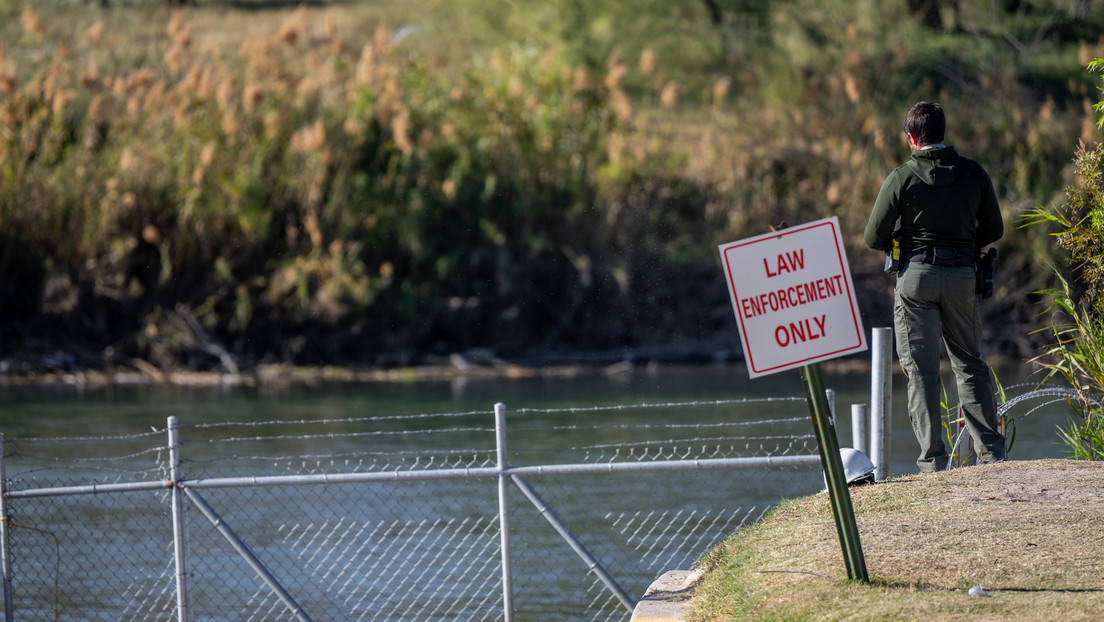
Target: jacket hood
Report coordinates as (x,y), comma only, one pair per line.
(935,167)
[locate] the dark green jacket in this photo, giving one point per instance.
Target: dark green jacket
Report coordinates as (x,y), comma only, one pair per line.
(941,199)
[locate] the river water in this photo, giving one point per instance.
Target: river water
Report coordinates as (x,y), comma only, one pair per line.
(586,418)
(44,411)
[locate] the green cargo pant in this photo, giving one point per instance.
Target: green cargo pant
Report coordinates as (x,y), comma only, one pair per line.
(934,304)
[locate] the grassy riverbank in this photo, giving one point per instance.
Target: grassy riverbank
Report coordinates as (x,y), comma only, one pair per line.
(228,186)
(1026,531)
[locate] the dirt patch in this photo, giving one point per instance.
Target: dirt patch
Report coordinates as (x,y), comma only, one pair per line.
(1021,525)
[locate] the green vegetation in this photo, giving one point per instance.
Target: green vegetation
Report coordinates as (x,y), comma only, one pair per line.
(369,182)
(1076,353)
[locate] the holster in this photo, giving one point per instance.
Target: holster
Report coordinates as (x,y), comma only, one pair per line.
(984,273)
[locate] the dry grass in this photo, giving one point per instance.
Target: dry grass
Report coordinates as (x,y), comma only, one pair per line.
(294,167)
(1029,532)
(291,165)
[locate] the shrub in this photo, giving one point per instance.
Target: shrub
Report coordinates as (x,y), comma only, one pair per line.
(1076,352)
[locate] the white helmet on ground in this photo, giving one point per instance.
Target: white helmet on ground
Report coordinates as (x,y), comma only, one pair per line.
(857,468)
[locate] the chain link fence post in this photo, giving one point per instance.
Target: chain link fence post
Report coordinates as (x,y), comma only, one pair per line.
(504,513)
(5,544)
(179,548)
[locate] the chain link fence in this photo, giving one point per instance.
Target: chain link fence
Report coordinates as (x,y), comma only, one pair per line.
(562,513)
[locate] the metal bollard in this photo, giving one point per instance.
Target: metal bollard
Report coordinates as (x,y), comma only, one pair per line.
(860,429)
(881,396)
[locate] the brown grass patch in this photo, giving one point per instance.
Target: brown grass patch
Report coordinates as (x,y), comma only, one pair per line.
(1030,532)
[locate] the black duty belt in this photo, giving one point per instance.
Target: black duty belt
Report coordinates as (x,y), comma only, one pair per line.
(941,256)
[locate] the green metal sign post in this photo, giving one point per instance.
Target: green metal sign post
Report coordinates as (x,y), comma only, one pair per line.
(838,492)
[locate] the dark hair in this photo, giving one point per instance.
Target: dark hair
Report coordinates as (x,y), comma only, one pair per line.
(926,122)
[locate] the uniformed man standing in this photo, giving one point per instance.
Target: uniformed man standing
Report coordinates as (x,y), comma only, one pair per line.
(947,212)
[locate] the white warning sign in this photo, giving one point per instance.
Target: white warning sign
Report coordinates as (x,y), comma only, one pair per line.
(793,297)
